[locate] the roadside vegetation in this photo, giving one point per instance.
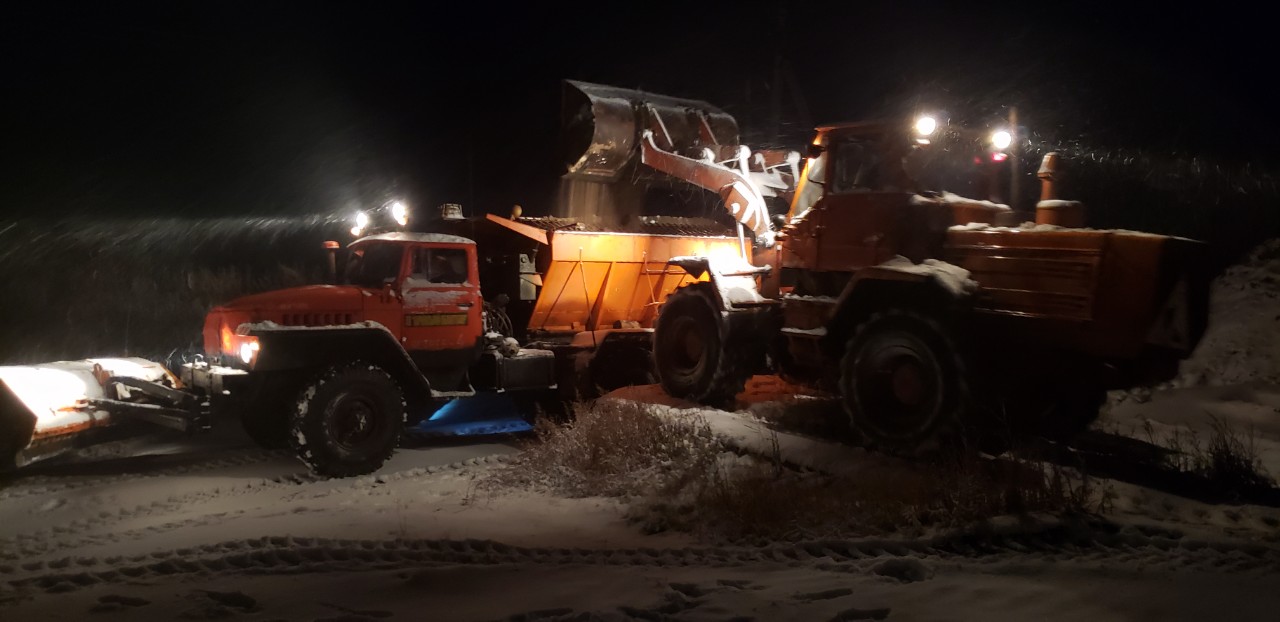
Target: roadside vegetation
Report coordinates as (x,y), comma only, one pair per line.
(674,474)
(1226,460)
(141,287)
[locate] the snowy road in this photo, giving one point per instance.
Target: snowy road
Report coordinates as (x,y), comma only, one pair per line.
(216,529)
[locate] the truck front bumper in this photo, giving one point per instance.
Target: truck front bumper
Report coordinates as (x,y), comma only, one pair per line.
(213,380)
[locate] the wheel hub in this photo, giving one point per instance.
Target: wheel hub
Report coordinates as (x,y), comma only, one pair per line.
(353,422)
(908,383)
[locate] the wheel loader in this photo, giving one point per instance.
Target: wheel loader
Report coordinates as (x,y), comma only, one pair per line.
(933,324)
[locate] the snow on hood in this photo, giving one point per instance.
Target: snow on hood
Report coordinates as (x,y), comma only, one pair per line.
(320,298)
(1039,228)
(409,236)
(954,278)
(269,325)
(948,198)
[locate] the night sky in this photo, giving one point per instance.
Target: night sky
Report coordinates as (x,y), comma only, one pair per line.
(217,109)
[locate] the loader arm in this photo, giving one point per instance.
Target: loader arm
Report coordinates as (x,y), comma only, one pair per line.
(742,197)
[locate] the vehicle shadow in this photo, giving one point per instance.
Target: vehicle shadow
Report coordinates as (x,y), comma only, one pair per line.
(1138,462)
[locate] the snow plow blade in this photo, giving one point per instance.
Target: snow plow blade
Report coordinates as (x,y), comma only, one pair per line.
(47,408)
(603,126)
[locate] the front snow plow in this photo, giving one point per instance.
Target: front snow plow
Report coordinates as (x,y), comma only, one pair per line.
(50,408)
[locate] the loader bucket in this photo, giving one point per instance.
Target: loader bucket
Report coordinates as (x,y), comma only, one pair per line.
(603,125)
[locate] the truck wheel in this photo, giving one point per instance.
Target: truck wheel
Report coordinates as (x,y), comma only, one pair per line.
(689,347)
(902,383)
(348,421)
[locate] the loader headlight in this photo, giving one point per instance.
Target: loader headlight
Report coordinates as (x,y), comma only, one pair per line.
(248,350)
(1001,139)
(400,213)
(925,125)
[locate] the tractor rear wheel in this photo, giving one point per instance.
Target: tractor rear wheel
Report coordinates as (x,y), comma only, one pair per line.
(692,351)
(348,421)
(902,382)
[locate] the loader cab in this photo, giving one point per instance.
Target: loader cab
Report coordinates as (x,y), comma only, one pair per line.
(853,204)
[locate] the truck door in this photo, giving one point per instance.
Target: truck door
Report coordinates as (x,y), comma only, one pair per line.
(376,268)
(442,303)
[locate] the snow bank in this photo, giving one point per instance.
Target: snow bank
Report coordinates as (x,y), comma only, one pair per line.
(1242,343)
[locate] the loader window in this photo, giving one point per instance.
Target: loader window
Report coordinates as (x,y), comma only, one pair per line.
(857,167)
(374,265)
(440,265)
(811,181)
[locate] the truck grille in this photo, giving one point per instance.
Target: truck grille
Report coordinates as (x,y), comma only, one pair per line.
(315,319)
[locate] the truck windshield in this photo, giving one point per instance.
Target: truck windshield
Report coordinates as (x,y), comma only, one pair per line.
(374,266)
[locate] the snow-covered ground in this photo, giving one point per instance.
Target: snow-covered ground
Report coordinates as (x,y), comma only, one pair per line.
(216,529)
(226,531)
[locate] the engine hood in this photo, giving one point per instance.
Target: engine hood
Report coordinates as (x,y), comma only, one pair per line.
(313,305)
(308,299)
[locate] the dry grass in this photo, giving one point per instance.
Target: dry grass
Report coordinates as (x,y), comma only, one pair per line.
(614,449)
(768,504)
(677,476)
(1227,459)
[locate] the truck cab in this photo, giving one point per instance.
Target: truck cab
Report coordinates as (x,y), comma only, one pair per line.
(425,290)
(336,370)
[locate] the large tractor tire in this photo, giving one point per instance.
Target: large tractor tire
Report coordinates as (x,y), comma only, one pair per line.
(695,357)
(903,385)
(348,421)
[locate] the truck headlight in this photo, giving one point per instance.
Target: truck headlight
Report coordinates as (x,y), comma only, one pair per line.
(248,350)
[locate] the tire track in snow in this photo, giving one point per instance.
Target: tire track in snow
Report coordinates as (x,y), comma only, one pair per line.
(270,555)
(50,484)
(53,539)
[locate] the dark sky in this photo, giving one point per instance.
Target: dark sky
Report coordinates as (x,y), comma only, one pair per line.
(221,108)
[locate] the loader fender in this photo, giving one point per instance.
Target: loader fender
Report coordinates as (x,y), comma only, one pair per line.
(733,279)
(933,286)
(285,349)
